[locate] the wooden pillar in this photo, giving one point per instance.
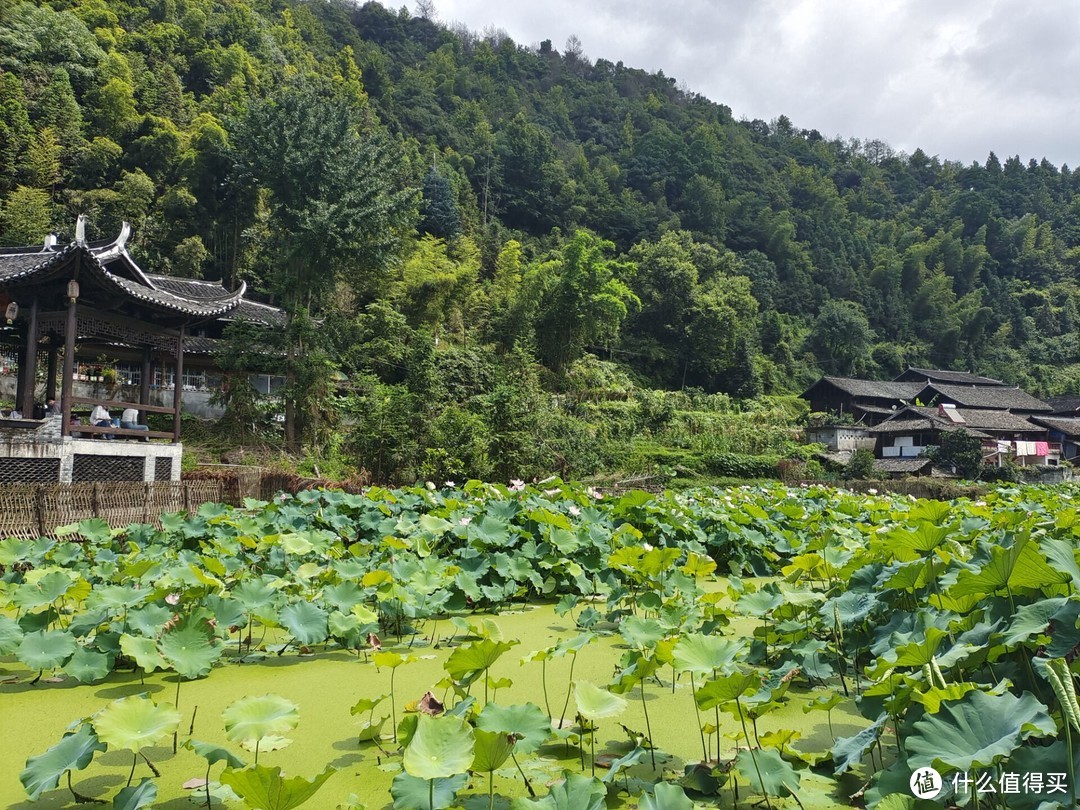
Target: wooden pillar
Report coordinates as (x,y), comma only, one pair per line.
(20,380)
(29,372)
(50,373)
(144,380)
(68,382)
(178,385)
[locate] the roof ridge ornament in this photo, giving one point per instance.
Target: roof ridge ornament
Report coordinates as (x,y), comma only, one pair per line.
(50,242)
(80,230)
(125,234)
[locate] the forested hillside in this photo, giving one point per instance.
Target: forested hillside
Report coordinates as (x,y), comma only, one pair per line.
(463,226)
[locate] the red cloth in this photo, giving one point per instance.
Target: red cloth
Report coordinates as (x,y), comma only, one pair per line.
(1042,449)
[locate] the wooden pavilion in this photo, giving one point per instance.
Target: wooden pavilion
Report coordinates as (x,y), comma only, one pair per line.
(55,299)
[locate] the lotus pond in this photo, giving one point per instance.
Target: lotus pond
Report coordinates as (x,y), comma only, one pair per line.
(547,647)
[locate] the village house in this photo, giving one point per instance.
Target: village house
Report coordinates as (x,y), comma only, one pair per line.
(903,418)
(1004,435)
(85,326)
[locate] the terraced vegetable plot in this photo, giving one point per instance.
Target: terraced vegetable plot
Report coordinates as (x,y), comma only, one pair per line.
(548,648)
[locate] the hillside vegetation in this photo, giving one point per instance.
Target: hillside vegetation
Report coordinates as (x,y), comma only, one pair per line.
(498,246)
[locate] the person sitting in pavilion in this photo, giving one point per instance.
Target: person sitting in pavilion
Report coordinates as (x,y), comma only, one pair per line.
(100,417)
(129,420)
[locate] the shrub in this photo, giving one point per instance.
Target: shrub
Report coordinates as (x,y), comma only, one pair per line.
(860,465)
(737,465)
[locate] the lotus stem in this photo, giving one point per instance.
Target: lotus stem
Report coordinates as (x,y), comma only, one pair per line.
(131,774)
(543,680)
(528,784)
(592,748)
(697,712)
(177,702)
(569,686)
(150,765)
(648,727)
(393,707)
(80,798)
(431,794)
(753,756)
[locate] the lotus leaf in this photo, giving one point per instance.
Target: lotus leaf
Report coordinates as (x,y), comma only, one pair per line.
(214,754)
(87,665)
(45,649)
(848,752)
(148,621)
(251,718)
(144,652)
(702,654)
(412,793)
(491,749)
(595,703)
(440,748)
(627,760)
(470,660)
(73,753)
(527,721)
(641,633)
(725,689)
(143,794)
(777,777)
(135,722)
(11,635)
(306,622)
(264,788)
(575,792)
(191,647)
(977,731)
(665,796)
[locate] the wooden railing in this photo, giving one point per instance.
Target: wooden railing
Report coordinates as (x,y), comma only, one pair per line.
(103,430)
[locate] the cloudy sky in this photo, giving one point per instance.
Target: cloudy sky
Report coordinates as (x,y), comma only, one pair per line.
(958,78)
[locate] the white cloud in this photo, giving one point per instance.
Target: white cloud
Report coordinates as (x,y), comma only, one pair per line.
(957,79)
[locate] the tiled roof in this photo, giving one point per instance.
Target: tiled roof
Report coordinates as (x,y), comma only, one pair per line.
(258,313)
(171,301)
(984,419)
(985,396)
(190,287)
(110,263)
(946,376)
(14,266)
(1062,424)
(901,465)
(873,389)
(1067,403)
(918,420)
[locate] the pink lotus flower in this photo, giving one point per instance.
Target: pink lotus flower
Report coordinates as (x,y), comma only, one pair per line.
(516,485)
(465,521)
(173,599)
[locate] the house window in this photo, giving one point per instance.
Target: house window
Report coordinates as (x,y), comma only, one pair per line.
(193,379)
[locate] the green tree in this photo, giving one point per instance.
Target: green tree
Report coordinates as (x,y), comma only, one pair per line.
(439,211)
(26,216)
(15,128)
(338,210)
(584,299)
(960,451)
(43,160)
(841,337)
